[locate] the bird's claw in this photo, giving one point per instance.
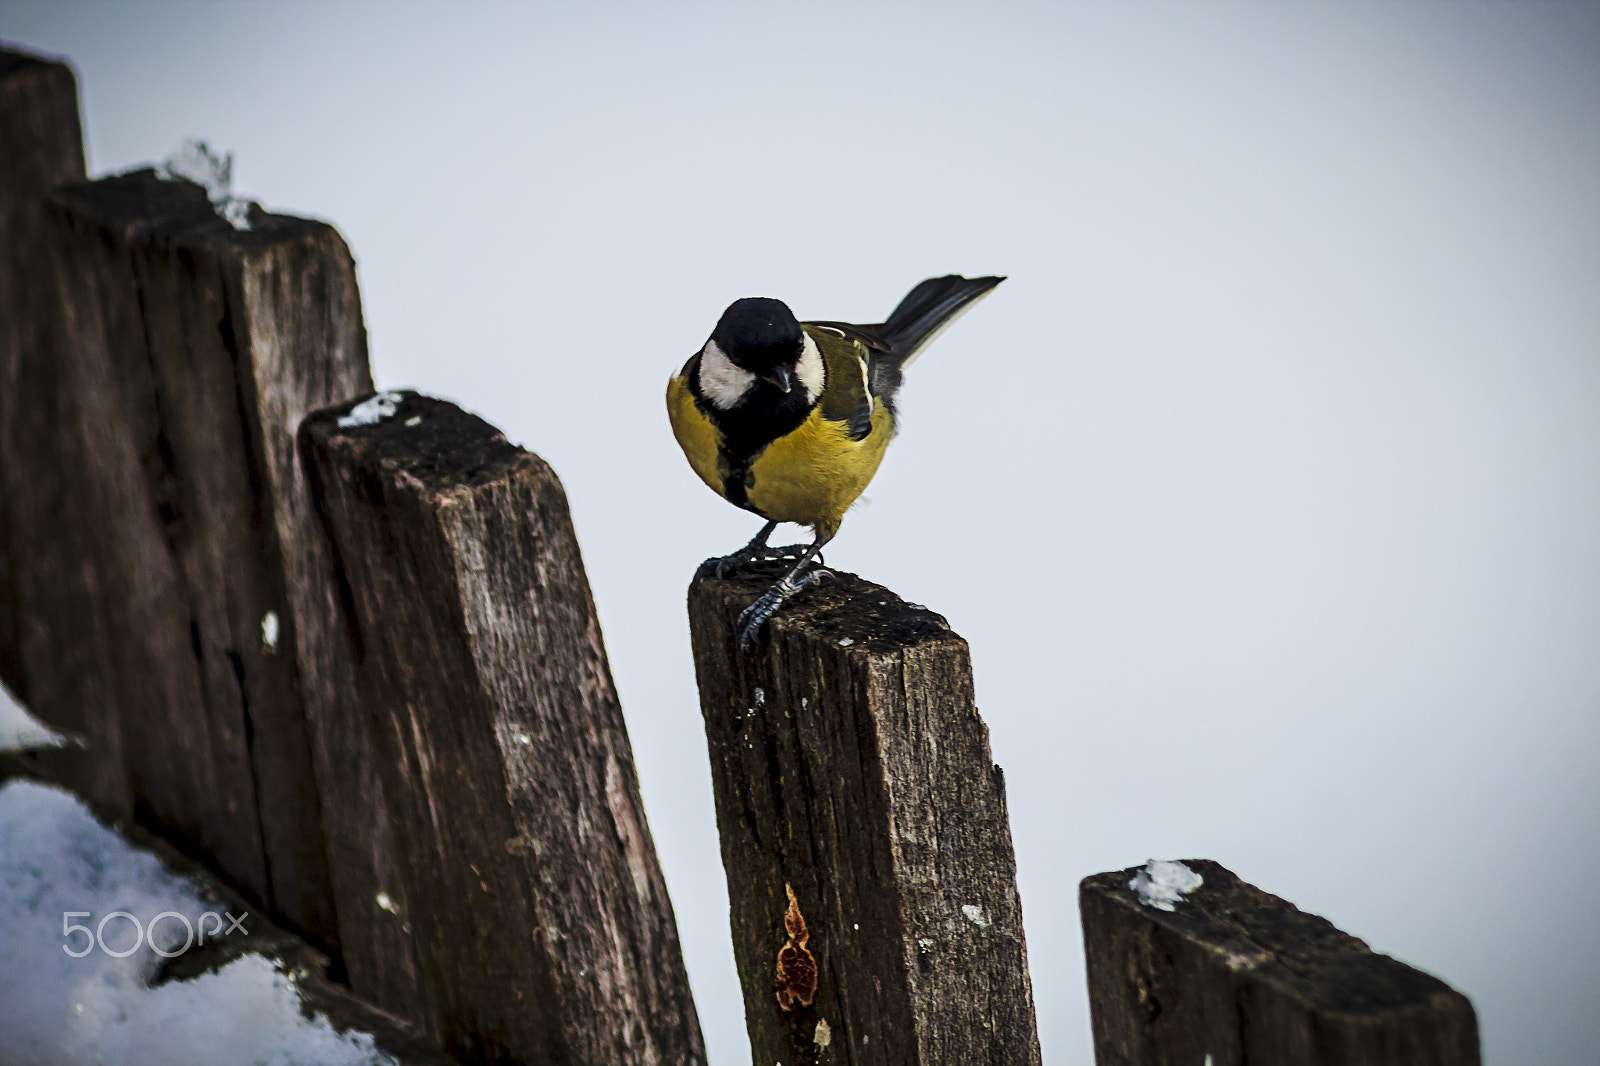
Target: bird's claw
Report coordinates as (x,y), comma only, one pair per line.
(755,615)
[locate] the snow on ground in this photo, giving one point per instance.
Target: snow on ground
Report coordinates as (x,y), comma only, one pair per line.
(55,858)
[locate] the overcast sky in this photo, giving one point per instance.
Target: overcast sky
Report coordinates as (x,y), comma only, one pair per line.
(1266,490)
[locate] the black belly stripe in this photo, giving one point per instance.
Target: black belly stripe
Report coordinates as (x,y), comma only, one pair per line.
(742,439)
(736,487)
(744,432)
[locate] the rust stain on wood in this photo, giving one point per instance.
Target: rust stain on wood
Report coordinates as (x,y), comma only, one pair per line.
(797,970)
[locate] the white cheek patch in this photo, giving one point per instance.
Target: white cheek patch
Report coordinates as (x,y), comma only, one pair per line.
(809,370)
(721,382)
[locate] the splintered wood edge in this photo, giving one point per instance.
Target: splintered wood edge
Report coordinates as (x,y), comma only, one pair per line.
(1260,936)
(138,204)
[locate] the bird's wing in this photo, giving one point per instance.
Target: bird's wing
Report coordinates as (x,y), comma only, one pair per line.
(890,346)
(846,397)
(868,336)
(883,364)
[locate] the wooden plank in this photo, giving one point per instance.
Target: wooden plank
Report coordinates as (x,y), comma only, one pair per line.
(214,738)
(1234,975)
(156,513)
(46,582)
(864,831)
(191,352)
(43,148)
(542,918)
(301,329)
(178,581)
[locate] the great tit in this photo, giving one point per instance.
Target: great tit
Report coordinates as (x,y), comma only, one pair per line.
(790,419)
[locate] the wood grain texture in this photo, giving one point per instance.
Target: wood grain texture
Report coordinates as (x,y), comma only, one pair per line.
(46,579)
(851,768)
(1234,975)
(177,597)
(300,323)
(43,147)
(214,739)
(541,916)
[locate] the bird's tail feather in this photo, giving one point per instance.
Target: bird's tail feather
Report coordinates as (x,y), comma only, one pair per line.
(928,310)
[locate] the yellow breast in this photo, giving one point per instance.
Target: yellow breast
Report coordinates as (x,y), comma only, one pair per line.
(810,476)
(696,435)
(813,475)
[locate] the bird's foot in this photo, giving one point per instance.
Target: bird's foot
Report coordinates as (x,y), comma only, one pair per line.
(723,565)
(764,608)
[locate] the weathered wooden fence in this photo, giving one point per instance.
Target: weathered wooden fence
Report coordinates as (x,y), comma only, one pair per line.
(540,914)
(864,831)
(864,822)
(340,649)
(362,681)
(41,147)
(1233,975)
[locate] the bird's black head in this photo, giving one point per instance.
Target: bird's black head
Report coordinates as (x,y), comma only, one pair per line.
(761,336)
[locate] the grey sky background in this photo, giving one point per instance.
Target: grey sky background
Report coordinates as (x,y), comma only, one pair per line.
(1266,490)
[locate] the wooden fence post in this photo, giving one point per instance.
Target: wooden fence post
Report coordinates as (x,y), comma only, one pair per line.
(43,147)
(186,561)
(1233,975)
(864,832)
(542,919)
(170,598)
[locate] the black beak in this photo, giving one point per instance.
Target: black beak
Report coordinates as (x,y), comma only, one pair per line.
(779,376)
